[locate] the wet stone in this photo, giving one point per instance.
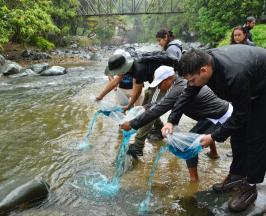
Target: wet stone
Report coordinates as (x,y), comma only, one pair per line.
(23,73)
(10,68)
(54,71)
(38,68)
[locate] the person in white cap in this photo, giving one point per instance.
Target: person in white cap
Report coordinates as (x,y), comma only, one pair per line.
(122,85)
(206,108)
(164,77)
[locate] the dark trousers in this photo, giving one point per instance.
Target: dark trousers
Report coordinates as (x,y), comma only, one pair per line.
(204,126)
(249,144)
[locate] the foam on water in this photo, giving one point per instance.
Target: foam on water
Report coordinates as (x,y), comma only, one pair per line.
(100,185)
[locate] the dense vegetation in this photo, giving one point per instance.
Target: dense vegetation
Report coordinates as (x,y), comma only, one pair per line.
(46,23)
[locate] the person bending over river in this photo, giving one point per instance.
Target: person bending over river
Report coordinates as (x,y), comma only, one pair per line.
(206,108)
(236,73)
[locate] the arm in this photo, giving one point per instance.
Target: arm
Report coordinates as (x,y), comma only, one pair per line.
(136,91)
(188,93)
(111,78)
(109,87)
(174,52)
(158,109)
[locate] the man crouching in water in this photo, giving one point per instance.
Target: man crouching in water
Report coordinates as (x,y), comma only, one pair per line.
(206,108)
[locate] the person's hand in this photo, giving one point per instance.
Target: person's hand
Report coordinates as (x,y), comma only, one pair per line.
(98,98)
(206,140)
(167,128)
(126,126)
(126,108)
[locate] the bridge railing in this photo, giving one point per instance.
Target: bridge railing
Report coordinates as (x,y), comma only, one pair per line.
(128,7)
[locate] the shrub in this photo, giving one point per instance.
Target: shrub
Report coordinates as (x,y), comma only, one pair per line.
(43,43)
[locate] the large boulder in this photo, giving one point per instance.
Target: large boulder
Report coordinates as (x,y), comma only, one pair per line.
(38,68)
(9,68)
(30,194)
(54,71)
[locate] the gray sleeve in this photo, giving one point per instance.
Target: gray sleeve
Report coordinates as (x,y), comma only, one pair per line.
(174,52)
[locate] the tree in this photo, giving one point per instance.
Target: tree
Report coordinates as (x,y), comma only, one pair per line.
(210,19)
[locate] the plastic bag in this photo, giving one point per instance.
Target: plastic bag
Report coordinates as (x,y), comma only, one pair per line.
(121,97)
(184,145)
(107,108)
(120,118)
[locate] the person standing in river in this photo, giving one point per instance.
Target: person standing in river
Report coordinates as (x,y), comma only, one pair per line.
(207,109)
(236,73)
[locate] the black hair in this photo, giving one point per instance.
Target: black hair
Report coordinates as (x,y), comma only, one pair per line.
(165,32)
(192,61)
(250,19)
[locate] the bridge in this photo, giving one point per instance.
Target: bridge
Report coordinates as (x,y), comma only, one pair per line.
(128,7)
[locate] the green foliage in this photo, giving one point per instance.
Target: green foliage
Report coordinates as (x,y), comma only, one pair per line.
(259,36)
(5,27)
(210,19)
(43,43)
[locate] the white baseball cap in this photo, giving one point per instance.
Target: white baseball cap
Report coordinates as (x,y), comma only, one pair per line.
(161,74)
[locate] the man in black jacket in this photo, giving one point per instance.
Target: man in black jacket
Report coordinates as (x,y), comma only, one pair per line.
(206,108)
(236,73)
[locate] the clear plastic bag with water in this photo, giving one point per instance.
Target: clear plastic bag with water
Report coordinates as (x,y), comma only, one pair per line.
(121,97)
(107,108)
(184,145)
(120,117)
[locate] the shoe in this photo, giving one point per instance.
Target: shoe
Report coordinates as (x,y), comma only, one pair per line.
(229,183)
(135,150)
(155,135)
(247,196)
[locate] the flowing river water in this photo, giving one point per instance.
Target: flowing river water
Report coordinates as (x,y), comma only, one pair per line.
(42,120)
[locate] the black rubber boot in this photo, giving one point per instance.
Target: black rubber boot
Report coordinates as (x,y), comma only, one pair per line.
(135,150)
(246,197)
(229,183)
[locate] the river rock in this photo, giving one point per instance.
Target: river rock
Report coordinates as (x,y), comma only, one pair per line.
(54,71)
(38,68)
(95,56)
(24,72)
(25,196)
(2,60)
(35,55)
(9,68)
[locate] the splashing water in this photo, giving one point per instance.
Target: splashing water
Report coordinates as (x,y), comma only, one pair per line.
(98,183)
(85,143)
(144,205)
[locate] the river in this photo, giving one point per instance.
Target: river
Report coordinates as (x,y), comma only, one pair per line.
(43,118)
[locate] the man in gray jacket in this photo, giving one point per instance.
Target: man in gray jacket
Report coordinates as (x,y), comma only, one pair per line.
(206,108)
